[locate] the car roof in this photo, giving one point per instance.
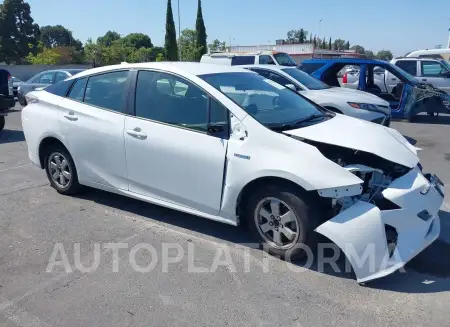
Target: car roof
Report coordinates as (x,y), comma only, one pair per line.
(194,68)
(270,67)
(350,61)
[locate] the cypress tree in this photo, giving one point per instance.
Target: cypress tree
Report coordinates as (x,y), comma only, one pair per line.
(329,45)
(200,42)
(170,45)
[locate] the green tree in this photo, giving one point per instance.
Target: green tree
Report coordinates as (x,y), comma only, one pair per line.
(137,41)
(107,39)
(339,44)
(160,57)
(217,45)
(310,39)
(330,46)
(384,55)
(369,54)
(324,43)
(347,45)
(315,42)
(297,36)
(58,36)
(17,31)
(188,44)
(200,31)
(358,49)
(170,44)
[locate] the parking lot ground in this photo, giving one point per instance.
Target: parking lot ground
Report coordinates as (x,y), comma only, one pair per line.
(260,291)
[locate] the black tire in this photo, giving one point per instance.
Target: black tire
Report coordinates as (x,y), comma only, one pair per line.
(307,214)
(73,185)
(2,123)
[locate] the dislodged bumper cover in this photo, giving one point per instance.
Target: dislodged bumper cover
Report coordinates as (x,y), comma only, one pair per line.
(360,230)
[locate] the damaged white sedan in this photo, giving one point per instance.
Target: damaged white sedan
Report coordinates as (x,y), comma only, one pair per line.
(227,144)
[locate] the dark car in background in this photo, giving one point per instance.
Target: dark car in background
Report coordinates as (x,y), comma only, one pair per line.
(6,95)
(42,80)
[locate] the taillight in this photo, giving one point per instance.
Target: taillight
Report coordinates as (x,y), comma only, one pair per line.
(10,84)
(344,79)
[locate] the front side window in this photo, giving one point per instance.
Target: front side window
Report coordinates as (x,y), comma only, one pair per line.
(46,78)
(268,102)
(409,66)
(60,76)
(307,80)
(172,100)
(266,60)
(284,59)
(107,90)
(77,91)
(432,69)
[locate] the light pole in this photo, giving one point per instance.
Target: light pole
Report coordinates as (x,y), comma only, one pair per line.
(320,23)
(179,32)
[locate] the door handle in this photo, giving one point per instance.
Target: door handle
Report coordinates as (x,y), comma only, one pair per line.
(136,132)
(71,116)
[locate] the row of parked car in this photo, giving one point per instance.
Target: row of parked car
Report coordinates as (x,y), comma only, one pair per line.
(246,145)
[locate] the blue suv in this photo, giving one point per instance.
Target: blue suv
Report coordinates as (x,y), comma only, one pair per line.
(407,96)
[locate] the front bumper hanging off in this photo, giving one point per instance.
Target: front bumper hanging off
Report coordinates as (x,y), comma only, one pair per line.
(361,231)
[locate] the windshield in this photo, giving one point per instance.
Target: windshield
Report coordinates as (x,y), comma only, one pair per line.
(403,74)
(446,64)
(308,81)
(284,59)
(265,100)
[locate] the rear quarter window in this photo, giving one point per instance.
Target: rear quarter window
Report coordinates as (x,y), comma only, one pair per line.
(242,60)
(60,88)
(310,67)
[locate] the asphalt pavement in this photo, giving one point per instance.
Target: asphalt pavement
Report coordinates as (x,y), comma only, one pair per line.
(36,222)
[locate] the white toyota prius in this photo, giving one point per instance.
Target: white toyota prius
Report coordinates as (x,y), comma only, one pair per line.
(227,144)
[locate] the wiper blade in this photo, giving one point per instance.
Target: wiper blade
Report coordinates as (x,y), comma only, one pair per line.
(309,118)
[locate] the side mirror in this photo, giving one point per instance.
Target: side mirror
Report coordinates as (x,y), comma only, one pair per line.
(291,86)
(447,74)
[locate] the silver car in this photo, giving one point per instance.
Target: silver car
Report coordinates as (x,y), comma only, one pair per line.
(42,80)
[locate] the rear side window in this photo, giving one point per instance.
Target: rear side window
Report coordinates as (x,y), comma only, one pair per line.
(409,66)
(107,91)
(242,60)
(310,67)
(60,76)
(59,89)
(77,91)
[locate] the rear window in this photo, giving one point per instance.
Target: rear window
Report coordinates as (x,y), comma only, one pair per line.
(310,67)
(60,88)
(409,66)
(242,60)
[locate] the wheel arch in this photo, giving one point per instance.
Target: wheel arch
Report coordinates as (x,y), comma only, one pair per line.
(256,183)
(46,143)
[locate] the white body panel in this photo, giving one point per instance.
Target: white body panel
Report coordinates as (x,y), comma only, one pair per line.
(204,175)
(95,139)
(175,165)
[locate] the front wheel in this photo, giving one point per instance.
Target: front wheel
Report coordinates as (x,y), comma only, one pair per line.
(61,171)
(283,219)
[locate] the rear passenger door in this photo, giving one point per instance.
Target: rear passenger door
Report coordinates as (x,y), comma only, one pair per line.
(175,147)
(92,118)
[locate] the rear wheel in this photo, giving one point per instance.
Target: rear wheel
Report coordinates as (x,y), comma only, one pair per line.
(61,171)
(283,220)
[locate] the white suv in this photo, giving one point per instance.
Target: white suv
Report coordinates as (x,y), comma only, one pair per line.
(427,70)
(226,144)
(236,59)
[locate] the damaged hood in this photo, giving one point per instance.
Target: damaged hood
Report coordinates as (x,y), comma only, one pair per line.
(357,134)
